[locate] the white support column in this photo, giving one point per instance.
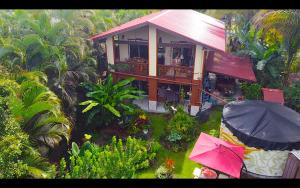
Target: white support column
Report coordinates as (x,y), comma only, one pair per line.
(198,64)
(152,50)
(194,110)
(110,51)
(198,73)
(152,45)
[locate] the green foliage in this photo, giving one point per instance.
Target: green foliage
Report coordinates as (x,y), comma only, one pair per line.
(18,159)
(251,91)
(174,137)
(292,96)
(117,160)
(264,49)
(36,108)
(214,132)
(163,172)
(286,24)
(181,126)
(52,41)
(109,100)
(179,130)
(166,170)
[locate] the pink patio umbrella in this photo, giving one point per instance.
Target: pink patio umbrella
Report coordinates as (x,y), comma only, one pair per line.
(218,154)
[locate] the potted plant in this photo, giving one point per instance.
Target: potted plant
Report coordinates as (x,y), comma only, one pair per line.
(166,170)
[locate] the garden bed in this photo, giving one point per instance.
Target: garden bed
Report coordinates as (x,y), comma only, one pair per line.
(183,166)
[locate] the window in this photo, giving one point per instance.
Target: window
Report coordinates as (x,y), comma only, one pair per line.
(138,51)
(185,54)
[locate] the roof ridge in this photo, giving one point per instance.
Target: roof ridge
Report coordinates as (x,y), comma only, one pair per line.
(159,15)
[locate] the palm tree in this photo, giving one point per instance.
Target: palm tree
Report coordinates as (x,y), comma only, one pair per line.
(18,159)
(56,45)
(38,110)
(287,23)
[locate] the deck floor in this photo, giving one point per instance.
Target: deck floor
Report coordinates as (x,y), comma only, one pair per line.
(143,104)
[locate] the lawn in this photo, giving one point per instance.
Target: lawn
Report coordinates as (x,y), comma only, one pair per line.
(183,166)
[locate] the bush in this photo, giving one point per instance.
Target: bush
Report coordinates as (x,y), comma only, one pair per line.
(292,96)
(179,129)
(18,159)
(174,137)
(117,160)
(251,91)
(182,124)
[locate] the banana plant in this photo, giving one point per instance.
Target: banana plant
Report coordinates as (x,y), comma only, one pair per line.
(109,98)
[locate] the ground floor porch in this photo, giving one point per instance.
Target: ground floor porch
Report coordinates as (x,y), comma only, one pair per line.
(160,106)
(160,94)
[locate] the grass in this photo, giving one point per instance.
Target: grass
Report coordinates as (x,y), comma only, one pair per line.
(183,166)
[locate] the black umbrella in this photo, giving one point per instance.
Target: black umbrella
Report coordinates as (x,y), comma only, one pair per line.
(262,124)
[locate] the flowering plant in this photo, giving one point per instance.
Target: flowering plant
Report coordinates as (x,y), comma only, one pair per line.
(87,136)
(170,164)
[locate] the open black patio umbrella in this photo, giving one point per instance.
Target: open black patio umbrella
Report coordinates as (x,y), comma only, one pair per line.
(261,124)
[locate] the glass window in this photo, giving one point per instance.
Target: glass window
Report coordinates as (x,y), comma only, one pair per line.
(138,51)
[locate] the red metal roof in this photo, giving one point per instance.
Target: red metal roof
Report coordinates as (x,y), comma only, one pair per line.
(273,95)
(196,27)
(230,65)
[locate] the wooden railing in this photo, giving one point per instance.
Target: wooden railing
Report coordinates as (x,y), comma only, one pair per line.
(164,71)
(172,72)
(132,67)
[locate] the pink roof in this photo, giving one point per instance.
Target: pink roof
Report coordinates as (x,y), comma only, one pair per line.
(230,65)
(273,95)
(194,26)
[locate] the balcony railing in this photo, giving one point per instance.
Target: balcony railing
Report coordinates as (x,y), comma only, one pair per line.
(132,66)
(172,72)
(140,67)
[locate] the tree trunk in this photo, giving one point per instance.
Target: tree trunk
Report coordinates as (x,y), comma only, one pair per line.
(287,70)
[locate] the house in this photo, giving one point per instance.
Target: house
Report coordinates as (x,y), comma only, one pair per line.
(172,50)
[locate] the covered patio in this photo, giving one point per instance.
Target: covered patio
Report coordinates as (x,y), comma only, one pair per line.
(224,73)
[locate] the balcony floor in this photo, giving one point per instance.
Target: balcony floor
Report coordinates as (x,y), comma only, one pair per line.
(143,104)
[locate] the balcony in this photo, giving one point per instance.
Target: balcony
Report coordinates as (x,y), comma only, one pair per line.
(136,66)
(139,67)
(175,72)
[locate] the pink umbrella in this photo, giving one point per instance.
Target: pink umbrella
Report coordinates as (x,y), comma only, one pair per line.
(218,154)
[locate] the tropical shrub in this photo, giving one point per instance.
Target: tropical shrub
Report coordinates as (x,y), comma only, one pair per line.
(181,123)
(109,100)
(292,96)
(37,109)
(179,130)
(117,160)
(140,123)
(251,91)
(286,24)
(18,159)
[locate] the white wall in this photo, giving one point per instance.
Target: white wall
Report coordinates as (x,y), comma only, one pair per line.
(167,37)
(141,33)
(110,50)
(123,52)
